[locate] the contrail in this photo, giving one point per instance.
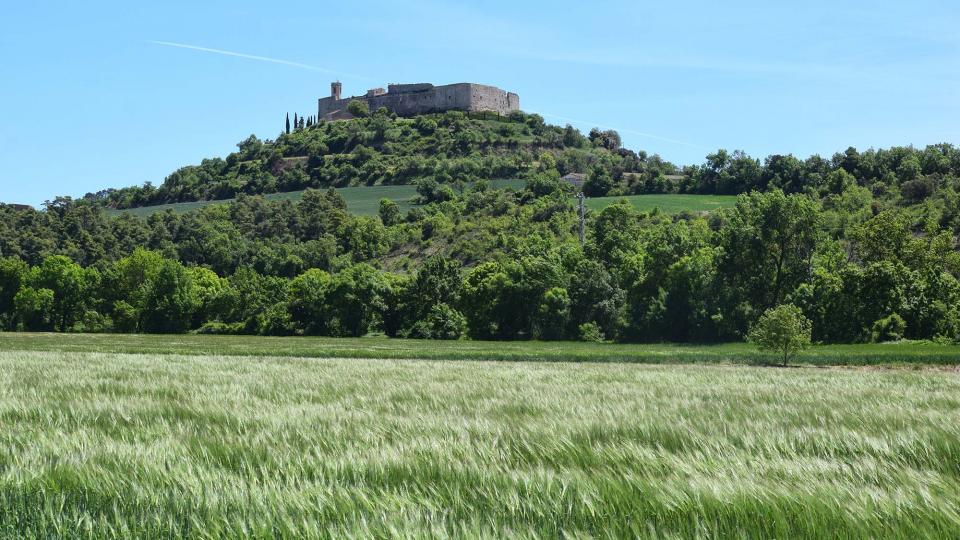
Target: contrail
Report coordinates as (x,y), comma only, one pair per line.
(254,57)
(638,133)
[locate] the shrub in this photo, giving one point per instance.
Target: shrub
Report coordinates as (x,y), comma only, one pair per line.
(590,331)
(443,322)
(221,328)
(358,108)
(389,212)
(889,328)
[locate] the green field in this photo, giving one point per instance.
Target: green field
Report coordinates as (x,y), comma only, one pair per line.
(904,354)
(105,444)
(364,201)
(670,204)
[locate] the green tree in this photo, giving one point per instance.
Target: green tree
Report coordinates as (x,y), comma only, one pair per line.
(355,302)
(308,301)
(768,241)
(358,108)
(595,297)
(210,294)
(389,212)
(553,315)
(782,330)
(171,300)
(442,322)
(71,285)
(13,275)
(365,238)
(599,182)
(33,309)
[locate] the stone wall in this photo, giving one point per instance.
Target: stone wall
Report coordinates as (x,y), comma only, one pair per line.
(425,98)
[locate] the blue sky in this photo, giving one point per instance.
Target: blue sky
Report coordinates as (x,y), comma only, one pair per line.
(89,100)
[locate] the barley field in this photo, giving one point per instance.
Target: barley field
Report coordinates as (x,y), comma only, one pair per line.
(114,445)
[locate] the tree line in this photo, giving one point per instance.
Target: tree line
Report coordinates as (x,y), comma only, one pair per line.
(489,264)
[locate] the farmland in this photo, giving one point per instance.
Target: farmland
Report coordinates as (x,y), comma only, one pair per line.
(902,354)
(104,444)
(362,200)
(365,201)
(667,203)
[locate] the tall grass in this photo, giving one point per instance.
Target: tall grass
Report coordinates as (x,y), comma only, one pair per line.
(104,445)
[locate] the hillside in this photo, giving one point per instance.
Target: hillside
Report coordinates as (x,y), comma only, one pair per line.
(383,149)
(667,203)
(361,200)
(365,201)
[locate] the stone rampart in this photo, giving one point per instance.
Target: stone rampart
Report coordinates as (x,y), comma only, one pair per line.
(425,98)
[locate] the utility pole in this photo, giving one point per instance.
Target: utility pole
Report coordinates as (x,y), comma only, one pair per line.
(583,216)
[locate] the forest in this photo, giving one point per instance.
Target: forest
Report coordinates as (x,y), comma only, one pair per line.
(863,243)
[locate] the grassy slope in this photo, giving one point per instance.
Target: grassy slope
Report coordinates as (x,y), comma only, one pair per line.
(909,354)
(365,201)
(670,204)
(101,445)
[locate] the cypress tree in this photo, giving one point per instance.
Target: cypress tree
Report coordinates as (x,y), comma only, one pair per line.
(288,123)
(296,123)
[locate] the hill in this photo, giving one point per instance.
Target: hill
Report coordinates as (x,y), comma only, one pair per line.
(383,149)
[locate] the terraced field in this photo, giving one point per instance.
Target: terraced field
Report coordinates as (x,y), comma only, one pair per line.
(365,201)
(669,204)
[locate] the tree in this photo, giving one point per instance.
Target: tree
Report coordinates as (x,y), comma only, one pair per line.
(768,241)
(782,330)
(209,289)
(598,183)
(127,285)
(33,308)
(608,139)
(389,212)
(308,301)
(358,108)
(432,191)
(572,137)
(437,282)
(355,302)
(442,322)
(70,284)
(595,297)
(553,315)
(288,123)
(296,121)
(171,300)
(365,237)
(13,274)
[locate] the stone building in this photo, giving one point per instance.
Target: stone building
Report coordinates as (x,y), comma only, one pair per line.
(422,98)
(575,179)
